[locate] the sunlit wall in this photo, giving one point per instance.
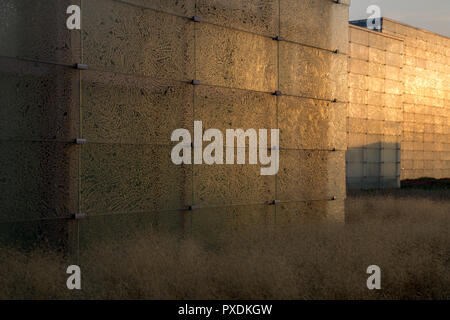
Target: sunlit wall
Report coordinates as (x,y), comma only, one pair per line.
(141,58)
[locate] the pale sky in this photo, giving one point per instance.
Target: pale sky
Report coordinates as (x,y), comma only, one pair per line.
(432,15)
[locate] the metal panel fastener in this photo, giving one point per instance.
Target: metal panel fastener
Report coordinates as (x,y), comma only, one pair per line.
(80,141)
(81,66)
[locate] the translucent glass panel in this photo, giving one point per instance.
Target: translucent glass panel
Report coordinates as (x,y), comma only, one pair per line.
(122,227)
(375,166)
(38,101)
(127,109)
(358,81)
(131,102)
(132,178)
(357,125)
(423,108)
(311,124)
(258,16)
(377,55)
(306,175)
(394,73)
(375,111)
(222,108)
(45,234)
(394,59)
(389,27)
(129,39)
(221,185)
(39,180)
(236,59)
(313,73)
(317,23)
(377,40)
(357,66)
(295,213)
(394,45)
(183,8)
(358,36)
(209,224)
(37,30)
(99,236)
(355,170)
(359,51)
(390,155)
(356,140)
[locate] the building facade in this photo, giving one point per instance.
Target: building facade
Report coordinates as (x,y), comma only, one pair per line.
(399,107)
(87,115)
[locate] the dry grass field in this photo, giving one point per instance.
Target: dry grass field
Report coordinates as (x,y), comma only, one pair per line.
(405,232)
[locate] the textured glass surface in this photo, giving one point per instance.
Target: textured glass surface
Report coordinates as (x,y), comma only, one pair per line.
(311,124)
(132,178)
(377,55)
(359,36)
(236,59)
(209,223)
(377,41)
(358,66)
(394,59)
(359,51)
(104,228)
(38,101)
(390,155)
(218,185)
(356,140)
(394,45)
(44,234)
(127,109)
(300,22)
(356,111)
(357,125)
(358,81)
(294,213)
(258,16)
(222,108)
(37,30)
(355,155)
(321,173)
(128,39)
(39,180)
(183,8)
(355,169)
(389,170)
(312,72)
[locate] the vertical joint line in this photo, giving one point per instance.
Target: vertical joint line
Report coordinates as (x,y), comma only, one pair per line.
(80,133)
(277,97)
(194,89)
